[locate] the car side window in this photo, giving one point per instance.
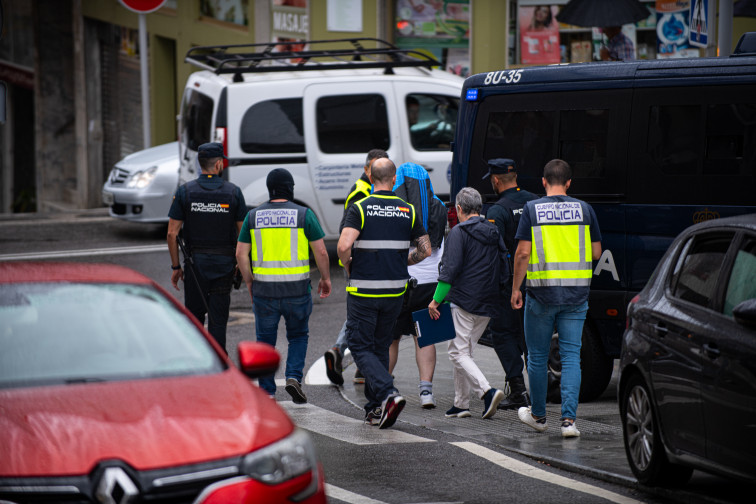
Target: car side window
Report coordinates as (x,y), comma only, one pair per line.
(432,120)
(741,286)
(699,267)
(272,127)
(350,124)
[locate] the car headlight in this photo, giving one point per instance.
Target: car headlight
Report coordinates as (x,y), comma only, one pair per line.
(283,460)
(142,179)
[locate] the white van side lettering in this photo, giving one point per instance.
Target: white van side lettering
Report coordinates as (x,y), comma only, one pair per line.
(606,263)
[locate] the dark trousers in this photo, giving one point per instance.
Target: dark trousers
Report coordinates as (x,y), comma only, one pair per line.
(508,338)
(217,295)
(370,325)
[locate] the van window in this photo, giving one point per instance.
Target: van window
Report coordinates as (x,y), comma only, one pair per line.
(196,118)
(273,126)
(352,123)
(432,120)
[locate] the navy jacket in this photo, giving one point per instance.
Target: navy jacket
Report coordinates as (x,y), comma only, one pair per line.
(475,264)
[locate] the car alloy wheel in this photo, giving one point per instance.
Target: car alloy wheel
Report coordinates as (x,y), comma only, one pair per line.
(643,443)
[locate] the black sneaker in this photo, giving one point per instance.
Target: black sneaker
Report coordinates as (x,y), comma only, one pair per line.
(455,412)
(295,391)
(391,407)
(333,366)
(491,400)
(373,417)
(358,377)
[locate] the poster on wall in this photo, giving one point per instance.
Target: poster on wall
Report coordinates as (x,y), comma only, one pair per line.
(539,35)
(290,25)
(228,11)
(672,29)
(443,23)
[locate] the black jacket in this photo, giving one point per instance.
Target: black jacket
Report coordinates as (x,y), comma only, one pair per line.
(475,264)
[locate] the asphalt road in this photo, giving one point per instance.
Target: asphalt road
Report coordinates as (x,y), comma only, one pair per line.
(424,458)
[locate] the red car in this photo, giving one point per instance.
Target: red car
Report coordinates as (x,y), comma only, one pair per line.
(111,392)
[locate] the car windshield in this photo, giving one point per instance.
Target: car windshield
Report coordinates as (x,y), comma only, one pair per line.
(77,333)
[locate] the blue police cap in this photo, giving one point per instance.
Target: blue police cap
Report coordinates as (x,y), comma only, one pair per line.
(211,150)
(498,166)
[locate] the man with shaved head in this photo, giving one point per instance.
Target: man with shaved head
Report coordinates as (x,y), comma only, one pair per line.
(374,248)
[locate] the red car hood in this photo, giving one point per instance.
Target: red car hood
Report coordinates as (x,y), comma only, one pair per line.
(67,430)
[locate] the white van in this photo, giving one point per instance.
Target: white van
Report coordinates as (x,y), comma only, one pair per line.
(317,113)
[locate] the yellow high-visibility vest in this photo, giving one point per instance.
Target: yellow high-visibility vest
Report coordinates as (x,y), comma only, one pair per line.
(560,256)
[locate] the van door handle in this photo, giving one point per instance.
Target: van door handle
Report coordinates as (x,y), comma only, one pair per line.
(661,330)
(711,351)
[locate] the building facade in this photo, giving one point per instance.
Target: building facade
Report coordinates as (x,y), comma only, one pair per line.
(72,69)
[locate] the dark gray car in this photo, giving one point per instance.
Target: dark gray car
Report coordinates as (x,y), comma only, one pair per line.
(687,388)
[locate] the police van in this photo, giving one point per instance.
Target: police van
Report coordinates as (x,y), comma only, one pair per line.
(317,112)
(654,146)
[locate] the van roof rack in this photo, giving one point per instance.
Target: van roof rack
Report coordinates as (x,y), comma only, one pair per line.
(319,55)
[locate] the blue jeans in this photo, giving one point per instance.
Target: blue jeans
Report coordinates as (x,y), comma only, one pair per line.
(296,313)
(370,331)
(540,321)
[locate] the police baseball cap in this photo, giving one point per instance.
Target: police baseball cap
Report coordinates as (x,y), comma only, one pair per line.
(210,150)
(500,165)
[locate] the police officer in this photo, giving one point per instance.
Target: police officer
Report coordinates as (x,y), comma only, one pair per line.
(334,356)
(558,238)
(211,211)
(374,248)
(273,255)
(506,328)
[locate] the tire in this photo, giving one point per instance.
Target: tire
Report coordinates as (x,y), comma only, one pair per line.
(642,438)
(595,366)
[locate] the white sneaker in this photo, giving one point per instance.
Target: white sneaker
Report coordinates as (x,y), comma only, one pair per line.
(569,429)
(526,417)
(426,399)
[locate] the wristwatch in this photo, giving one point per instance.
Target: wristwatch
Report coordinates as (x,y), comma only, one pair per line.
(174,268)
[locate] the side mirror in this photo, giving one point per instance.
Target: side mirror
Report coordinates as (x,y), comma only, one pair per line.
(258,359)
(745,313)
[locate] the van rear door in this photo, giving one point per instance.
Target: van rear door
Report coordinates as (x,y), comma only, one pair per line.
(340,129)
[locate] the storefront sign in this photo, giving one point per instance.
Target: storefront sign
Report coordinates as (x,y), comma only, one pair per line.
(699,23)
(672,29)
(539,35)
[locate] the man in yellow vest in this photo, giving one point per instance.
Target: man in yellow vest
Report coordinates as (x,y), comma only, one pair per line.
(559,237)
(374,247)
(272,254)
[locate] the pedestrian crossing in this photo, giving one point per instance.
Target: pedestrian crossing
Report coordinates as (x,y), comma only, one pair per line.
(344,428)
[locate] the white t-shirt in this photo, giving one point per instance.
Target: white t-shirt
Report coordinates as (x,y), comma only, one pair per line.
(426,271)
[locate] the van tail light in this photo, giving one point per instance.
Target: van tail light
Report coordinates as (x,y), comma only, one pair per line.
(629,309)
(220,136)
(451,216)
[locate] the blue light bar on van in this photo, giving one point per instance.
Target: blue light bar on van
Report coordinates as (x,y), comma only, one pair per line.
(472,94)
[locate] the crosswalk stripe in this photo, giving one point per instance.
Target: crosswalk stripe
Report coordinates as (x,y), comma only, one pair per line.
(334,492)
(534,472)
(344,428)
(58,254)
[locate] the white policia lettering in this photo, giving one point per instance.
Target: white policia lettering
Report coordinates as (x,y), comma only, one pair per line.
(387,211)
(285,218)
(558,212)
(209,207)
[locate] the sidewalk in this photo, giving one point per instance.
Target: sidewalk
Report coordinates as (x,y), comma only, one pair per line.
(599,451)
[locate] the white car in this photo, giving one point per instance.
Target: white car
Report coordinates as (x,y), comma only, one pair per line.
(141,186)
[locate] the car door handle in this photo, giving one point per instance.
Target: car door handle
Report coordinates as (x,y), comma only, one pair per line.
(711,351)
(661,330)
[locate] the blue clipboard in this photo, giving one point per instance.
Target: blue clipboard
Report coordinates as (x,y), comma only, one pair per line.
(429,331)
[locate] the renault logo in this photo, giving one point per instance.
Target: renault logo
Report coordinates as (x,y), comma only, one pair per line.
(116,487)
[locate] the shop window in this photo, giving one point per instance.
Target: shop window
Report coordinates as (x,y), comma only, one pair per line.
(228,11)
(352,123)
(432,120)
(273,126)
